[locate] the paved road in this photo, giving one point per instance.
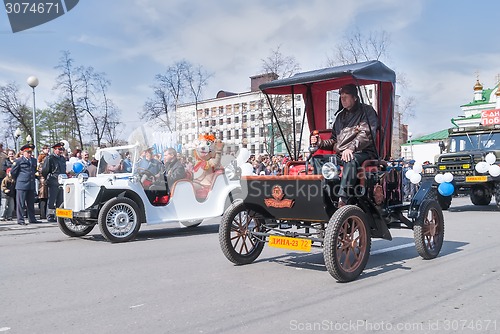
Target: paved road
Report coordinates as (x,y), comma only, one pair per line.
(174,280)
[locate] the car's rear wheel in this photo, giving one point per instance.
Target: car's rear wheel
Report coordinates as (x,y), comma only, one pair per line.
(119,219)
(347,243)
(429,230)
(237,242)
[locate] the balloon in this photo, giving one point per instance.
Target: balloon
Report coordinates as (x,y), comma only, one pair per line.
(482,167)
(415,178)
(69,166)
(490,158)
(417,168)
(112,157)
(439,178)
(73,159)
(98,154)
(447,177)
(494,170)
(409,173)
(446,189)
(78,167)
(243,156)
(246,169)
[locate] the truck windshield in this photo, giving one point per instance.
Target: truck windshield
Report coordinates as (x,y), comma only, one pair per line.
(484,141)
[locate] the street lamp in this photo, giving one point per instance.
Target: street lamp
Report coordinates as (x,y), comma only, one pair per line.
(28,139)
(411,145)
(33,82)
(17,134)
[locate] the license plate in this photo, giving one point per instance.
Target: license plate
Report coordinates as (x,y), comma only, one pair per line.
(303,245)
(483,178)
(64,213)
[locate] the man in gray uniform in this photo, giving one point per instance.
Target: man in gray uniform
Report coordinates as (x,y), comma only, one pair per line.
(23,171)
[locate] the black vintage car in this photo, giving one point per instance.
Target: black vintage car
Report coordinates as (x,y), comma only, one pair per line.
(298,211)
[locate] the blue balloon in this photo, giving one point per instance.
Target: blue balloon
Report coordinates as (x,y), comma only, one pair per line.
(78,167)
(446,189)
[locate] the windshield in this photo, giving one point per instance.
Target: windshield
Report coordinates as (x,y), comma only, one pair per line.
(114,160)
(489,141)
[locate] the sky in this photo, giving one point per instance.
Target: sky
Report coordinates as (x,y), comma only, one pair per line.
(440,47)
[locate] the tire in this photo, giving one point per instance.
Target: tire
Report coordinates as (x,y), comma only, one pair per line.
(497,194)
(480,195)
(119,219)
(428,230)
(347,243)
(444,201)
(235,238)
(68,227)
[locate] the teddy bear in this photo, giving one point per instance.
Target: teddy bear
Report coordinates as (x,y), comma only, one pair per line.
(207,153)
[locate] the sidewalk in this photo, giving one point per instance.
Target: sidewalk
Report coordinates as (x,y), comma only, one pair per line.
(13,225)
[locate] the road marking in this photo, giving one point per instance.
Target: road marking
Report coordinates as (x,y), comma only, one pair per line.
(4,329)
(390,249)
(134,306)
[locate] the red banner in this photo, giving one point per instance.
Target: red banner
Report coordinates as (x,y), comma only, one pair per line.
(490,117)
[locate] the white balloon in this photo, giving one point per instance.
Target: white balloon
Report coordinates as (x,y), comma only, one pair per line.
(246,169)
(439,178)
(112,157)
(69,166)
(490,158)
(482,167)
(243,156)
(447,177)
(417,168)
(409,173)
(415,178)
(73,159)
(494,170)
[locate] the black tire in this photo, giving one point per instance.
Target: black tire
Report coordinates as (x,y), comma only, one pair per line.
(444,201)
(497,194)
(480,195)
(68,227)
(428,230)
(235,238)
(119,219)
(347,243)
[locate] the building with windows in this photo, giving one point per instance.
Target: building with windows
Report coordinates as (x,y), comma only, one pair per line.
(241,119)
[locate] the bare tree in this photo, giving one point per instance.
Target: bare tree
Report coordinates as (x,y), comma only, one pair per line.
(16,111)
(284,67)
(169,89)
(67,83)
(196,78)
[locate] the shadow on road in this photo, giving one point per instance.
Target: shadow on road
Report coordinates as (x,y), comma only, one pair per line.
(378,263)
(472,208)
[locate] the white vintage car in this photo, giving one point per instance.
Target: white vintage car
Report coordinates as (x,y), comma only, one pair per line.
(119,199)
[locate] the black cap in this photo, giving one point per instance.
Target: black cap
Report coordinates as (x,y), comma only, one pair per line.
(58,145)
(27,147)
(349,89)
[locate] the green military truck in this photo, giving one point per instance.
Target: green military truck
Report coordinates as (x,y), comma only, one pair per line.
(469,157)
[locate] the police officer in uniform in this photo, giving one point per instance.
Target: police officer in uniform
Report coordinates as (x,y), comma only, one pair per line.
(23,171)
(54,165)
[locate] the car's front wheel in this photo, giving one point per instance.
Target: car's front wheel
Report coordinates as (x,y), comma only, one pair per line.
(68,227)
(119,219)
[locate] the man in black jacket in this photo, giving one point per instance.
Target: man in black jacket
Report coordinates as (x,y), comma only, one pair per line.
(174,169)
(54,165)
(351,138)
(23,171)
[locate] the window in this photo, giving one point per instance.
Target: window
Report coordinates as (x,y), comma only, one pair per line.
(221,135)
(229,134)
(261,132)
(213,122)
(228,121)
(221,110)
(299,111)
(244,118)
(207,123)
(221,121)
(207,112)
(236,134)
(252,117)
(252,133)
(236,119)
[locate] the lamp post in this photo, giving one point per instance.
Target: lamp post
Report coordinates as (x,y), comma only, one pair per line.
(17,134)
(33,82)
(411,145)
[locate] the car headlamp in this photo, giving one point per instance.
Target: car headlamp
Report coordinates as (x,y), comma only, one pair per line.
(82,177)
(61,178)
(329,171)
